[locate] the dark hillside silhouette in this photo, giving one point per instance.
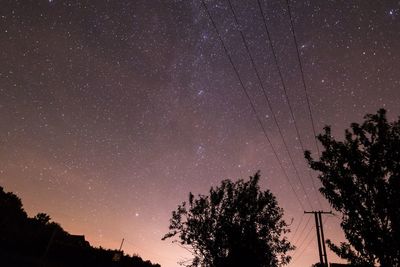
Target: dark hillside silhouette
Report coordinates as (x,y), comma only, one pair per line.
(237,224)
(361,180)
(38,242)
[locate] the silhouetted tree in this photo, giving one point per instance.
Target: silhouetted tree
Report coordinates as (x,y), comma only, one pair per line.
(237,224)
(11,207)
(42,218)
(361,179)
(38,241)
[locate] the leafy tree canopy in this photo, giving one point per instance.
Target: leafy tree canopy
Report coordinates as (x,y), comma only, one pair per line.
(11,207)
(361,179)
(42,218)
(237,224)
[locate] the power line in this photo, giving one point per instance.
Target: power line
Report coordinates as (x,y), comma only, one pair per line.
(302,75)
(136,249)
(291,239)
(271,45)
(304,239)
(303,250)
(268,100)
(302,230)
(298,226)
(248,97)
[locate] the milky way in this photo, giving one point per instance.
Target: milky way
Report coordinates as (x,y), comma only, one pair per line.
(112,111)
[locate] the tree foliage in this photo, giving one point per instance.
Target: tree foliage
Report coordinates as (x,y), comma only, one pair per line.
(42,218)
(237,224)
(10,207)
(37,241)
(361,179)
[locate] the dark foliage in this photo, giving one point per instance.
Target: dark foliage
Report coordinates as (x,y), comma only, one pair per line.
(237,224)
(37,241)
(361,179)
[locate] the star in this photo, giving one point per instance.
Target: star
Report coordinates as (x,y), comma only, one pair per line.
(133,104)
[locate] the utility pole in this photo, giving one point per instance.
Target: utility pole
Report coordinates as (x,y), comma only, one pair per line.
(118,255)
(323,259)
(122,242)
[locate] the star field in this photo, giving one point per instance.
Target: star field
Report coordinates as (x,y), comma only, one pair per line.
(112,111)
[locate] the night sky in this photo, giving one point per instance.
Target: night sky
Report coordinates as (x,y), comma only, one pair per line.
(112,111)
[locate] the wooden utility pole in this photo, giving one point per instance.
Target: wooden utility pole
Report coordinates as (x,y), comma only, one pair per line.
(118,255)
(323,259)
(122,242)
